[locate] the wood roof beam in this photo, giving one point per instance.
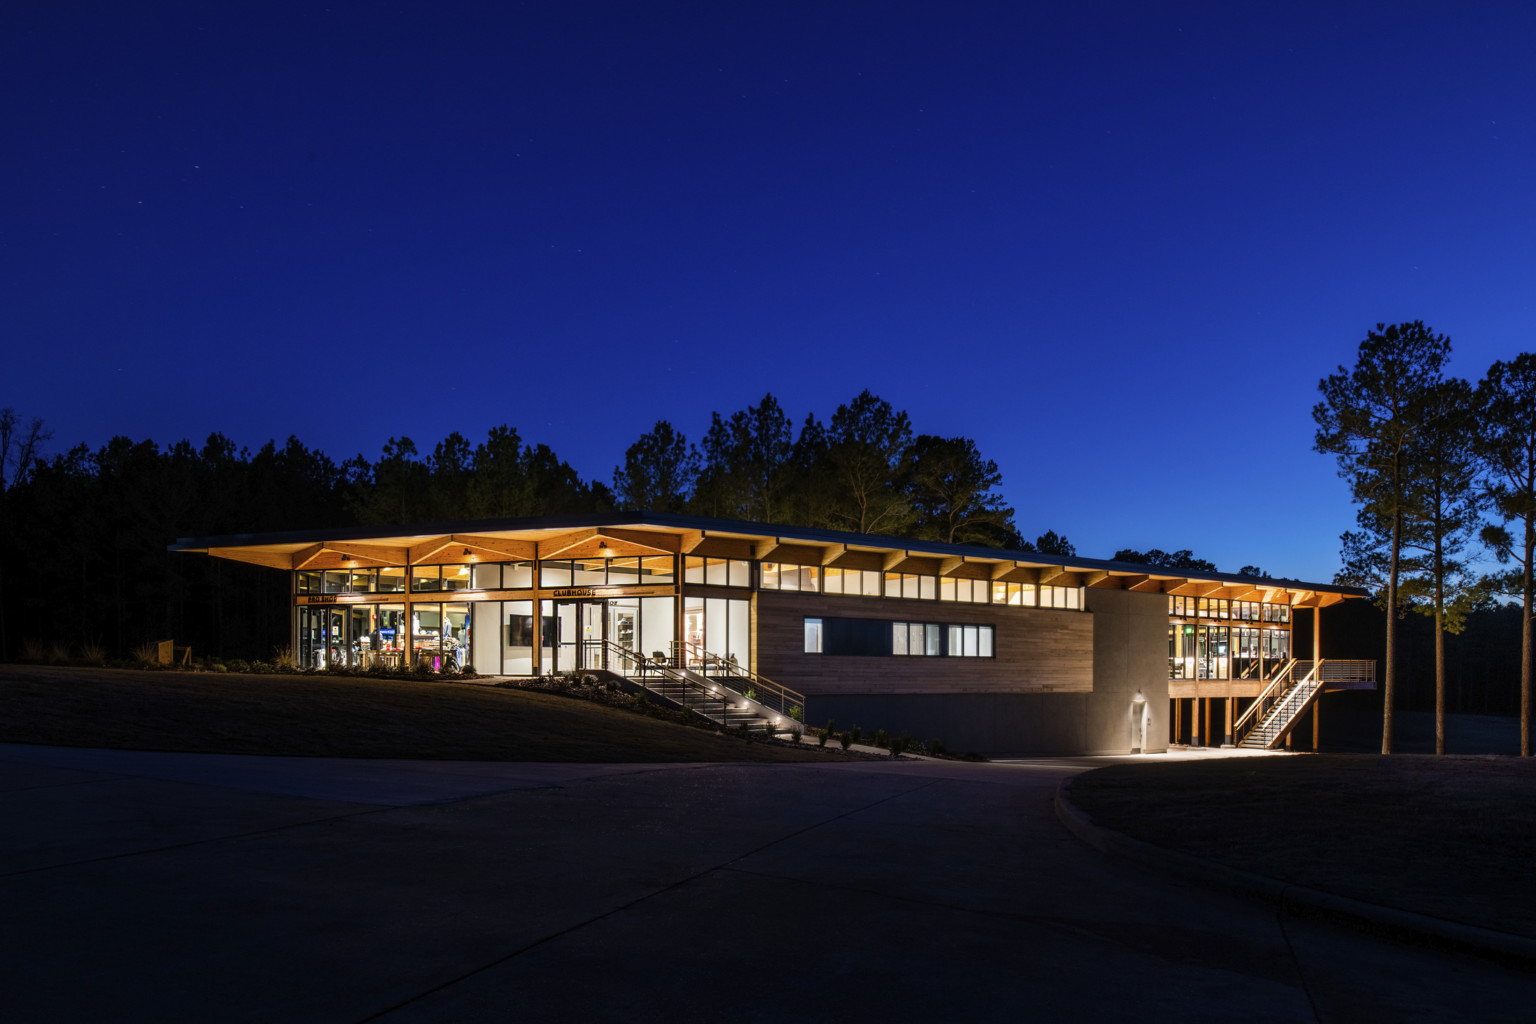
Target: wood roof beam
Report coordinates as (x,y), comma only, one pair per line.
(1001,569)
(950,564)
(893,560)
(501,547)
(304,556)
(427,548)
(378,554)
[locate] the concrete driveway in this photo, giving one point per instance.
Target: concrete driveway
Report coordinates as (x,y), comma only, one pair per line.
(164,887)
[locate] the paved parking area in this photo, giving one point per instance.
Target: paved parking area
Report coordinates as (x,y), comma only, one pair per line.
(158,887)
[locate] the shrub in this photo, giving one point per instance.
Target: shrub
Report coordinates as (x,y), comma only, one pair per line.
(751,694)
(899,744)
(216,667)
(284,659)
(238,665)
(796,732)
(882,740)
(857,733)
(797,713)
(58,654)
(937,748)
(33,650)
(92,653)
(260,666)
(846,739)
(147,654)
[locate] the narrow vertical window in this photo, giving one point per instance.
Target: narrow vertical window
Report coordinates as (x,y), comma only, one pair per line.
(812,636)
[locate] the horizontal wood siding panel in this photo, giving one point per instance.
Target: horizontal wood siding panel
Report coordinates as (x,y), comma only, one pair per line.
(1037,650)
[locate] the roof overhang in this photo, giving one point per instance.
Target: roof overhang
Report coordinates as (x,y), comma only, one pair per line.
(656,535)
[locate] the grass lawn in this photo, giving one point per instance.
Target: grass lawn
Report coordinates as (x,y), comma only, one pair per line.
(1451,837)
(338,717)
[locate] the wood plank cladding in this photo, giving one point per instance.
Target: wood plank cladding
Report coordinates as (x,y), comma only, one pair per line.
(1037,650)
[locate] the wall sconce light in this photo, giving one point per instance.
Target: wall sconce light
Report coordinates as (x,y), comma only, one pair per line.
(468,553)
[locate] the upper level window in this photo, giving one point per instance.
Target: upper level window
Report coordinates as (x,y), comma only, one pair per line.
(964,591)
(857,582)
(780,576)
(812,636)
(1061,597)
(906,584)
(716,572)
(1016,594)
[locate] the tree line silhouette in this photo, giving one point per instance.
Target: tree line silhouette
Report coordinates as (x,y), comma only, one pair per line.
(83,533)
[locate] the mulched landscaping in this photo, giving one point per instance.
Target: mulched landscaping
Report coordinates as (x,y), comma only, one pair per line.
(1451,837)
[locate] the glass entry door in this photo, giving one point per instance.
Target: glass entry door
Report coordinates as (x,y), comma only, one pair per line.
(578,622)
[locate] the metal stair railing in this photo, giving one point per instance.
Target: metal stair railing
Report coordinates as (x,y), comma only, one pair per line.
(1273,692)
(1287,709)
(787,702)
(705,697)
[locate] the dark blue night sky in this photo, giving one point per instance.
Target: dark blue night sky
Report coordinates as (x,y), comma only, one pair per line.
(1117,244)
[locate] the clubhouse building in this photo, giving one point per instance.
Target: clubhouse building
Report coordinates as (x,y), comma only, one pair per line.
(989,650)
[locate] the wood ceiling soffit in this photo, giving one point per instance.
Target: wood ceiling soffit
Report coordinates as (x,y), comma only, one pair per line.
(270,559)
(1001,569)
(560,544)
(1020,574)
(689,540)
(797,554)
(304,556)
(655,543)
(1102,580)
(1054,575)
(830,555)
(923,565)
(947,566)
(1180,587)
(763,550)
(426,549)
(380,553)
(522,550)
(723,547)
(865,560)
(1140,583)
(891,561)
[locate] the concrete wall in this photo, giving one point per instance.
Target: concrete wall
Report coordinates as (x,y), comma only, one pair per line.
(1130,653)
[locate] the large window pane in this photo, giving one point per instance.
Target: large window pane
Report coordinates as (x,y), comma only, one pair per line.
(517,576)
(455,577)
(656,626)
(738,638)
(555,574)
(485,577)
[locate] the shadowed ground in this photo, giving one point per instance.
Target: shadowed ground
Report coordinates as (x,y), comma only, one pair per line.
(1452,837)
(328,716)
(171,887)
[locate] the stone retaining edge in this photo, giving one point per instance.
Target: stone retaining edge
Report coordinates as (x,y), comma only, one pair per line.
(1300,900)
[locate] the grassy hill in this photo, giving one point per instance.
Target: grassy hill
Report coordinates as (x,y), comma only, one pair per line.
(340,717)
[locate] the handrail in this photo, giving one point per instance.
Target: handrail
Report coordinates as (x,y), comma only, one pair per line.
(1258,701)
(1294,698)
(642,668)
(686,652)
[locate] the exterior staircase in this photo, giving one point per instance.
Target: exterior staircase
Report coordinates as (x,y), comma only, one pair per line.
(1298,684)
(714,688)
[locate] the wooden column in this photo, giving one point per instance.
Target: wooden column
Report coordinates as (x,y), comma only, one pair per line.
(1208,702)
(1317,711)
(538,620)
(1228,741)
(407,653)
(1194,722)
(1317,634)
